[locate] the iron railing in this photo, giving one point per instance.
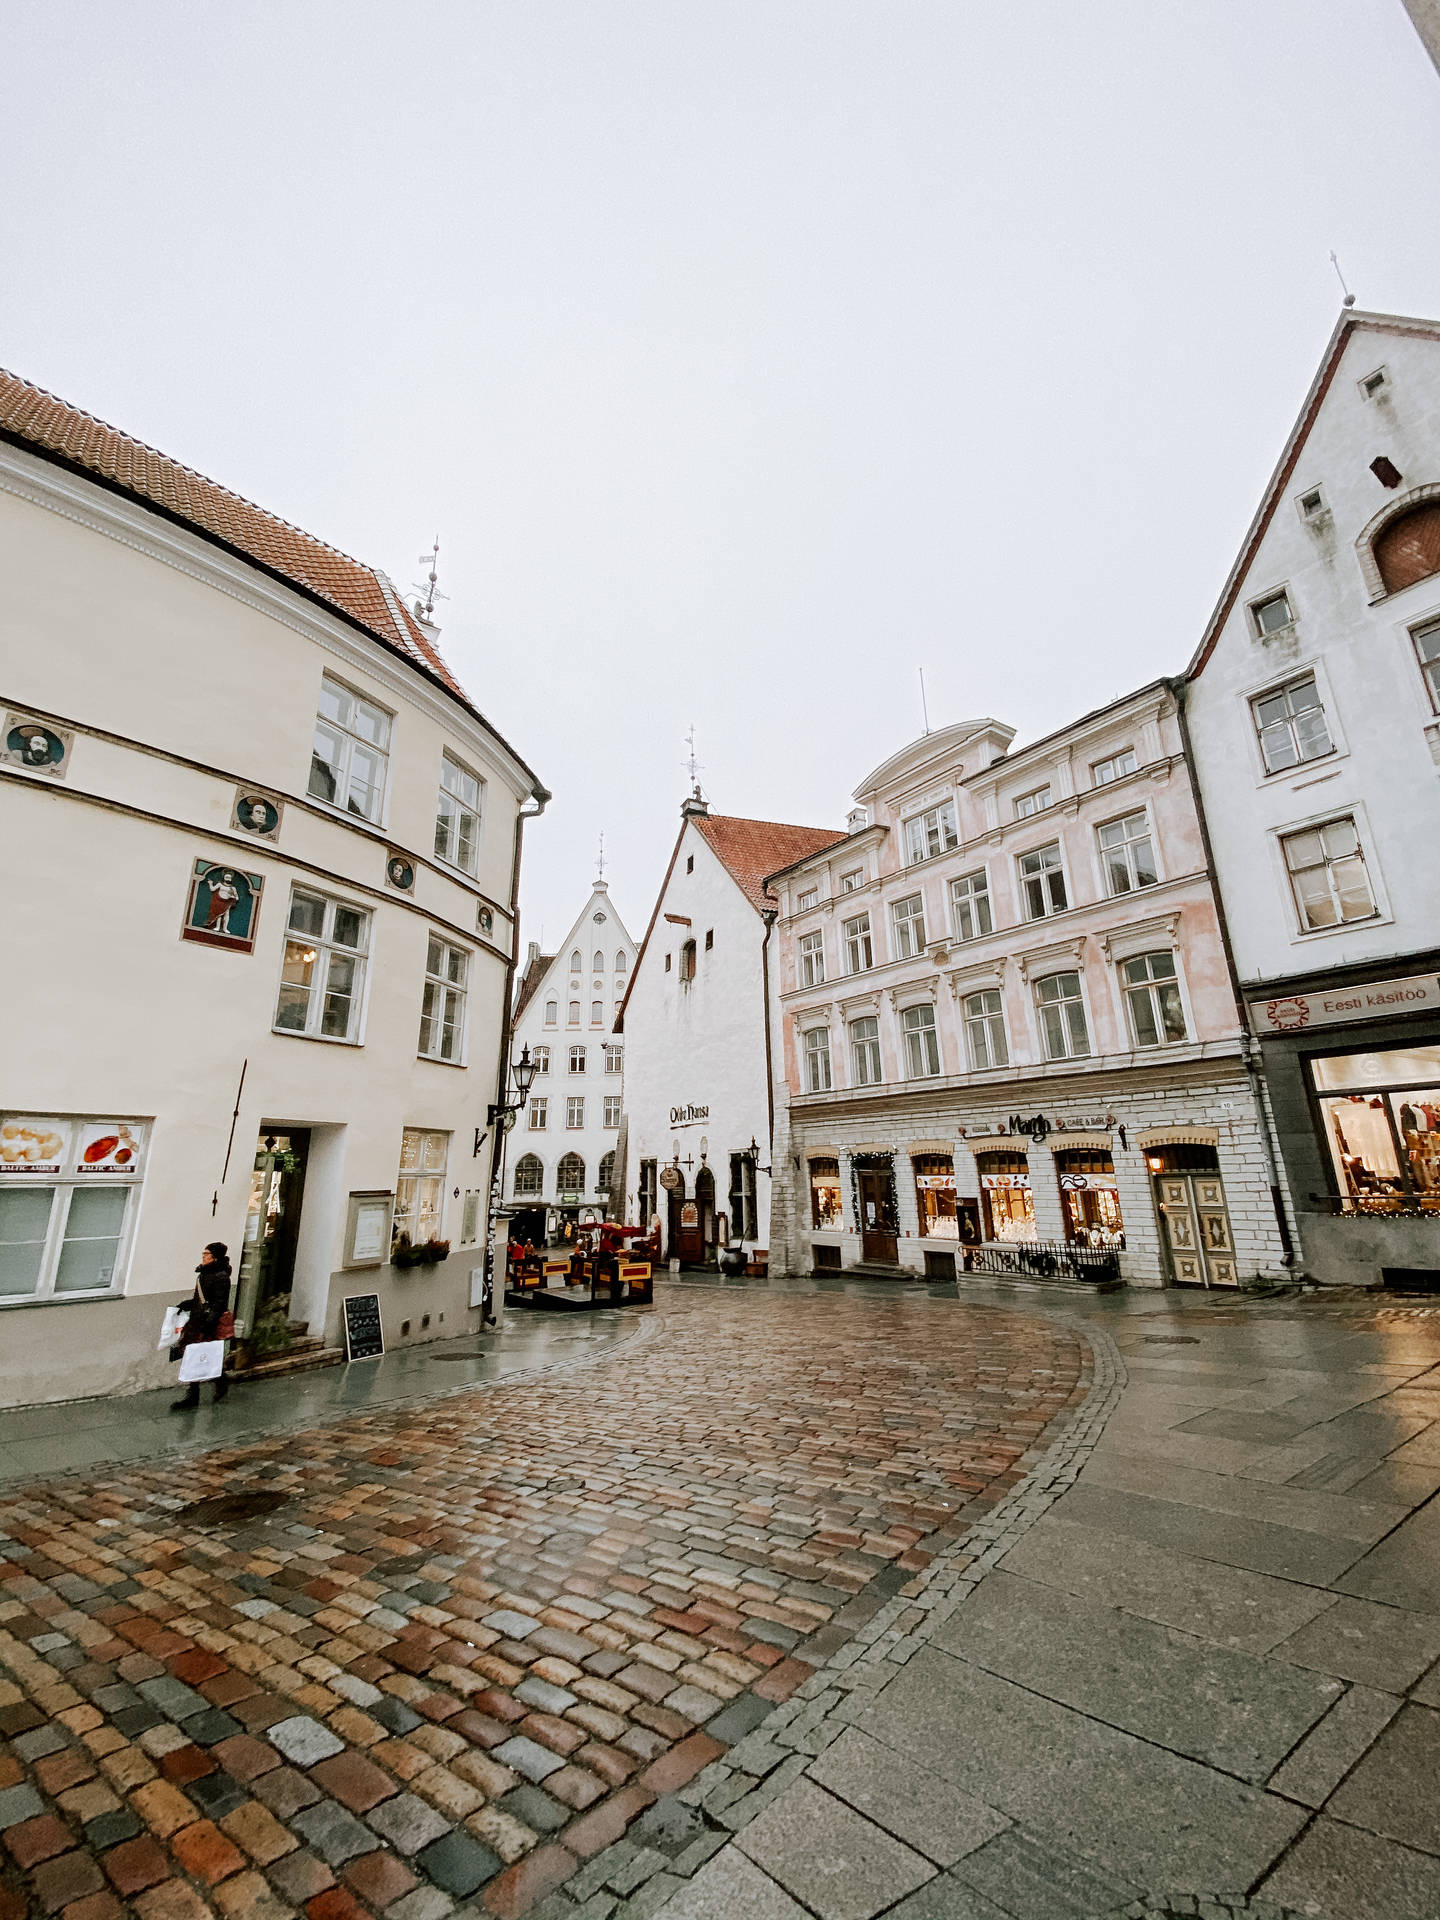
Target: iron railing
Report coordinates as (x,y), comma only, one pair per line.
(1045,1260)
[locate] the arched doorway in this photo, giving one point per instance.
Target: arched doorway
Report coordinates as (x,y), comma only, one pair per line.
(1409,548)
(705,1206)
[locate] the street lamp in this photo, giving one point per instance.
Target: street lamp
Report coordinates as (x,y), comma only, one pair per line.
(501,1113)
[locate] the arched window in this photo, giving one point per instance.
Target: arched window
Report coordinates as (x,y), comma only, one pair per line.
(687,962)
(1409,548)
(552,1011)
(575,961)
(599,961)
(570,1175)
(620,961)
(529,1174)
(605,1179)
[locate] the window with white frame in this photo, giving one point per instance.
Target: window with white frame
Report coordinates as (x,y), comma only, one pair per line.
(812,959)
(575,1112)
(552,1013)
(457,816)
(541,1057)
(614,1059)
(323,972)
(932,833)
(420,1187)
(922,1042)
(1272,613)
(1035,801)
(865,1051)
(859,952)
(573,1015)
(1042,881)
(1427,652)
(442,1009)
(984,1017)
(970,906)
(577,1059)
(1290,722)
(1326,865)
(620,962)
(1128,854)
(69,1190)
(806,898)
(1102,772)
(539,1111)
(611,1110)
(351,752)
(817,1060)
(599,962)
(908,919)
(575,961)
(1152,993)
(1062,1016)
(852,882)
(529,1174)
(597,1013)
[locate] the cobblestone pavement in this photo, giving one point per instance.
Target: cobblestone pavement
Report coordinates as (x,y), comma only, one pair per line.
(450,1655)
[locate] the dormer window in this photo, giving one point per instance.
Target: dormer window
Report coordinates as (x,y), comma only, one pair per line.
(1272,614)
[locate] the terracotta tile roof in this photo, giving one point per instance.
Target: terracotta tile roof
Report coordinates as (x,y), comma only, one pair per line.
(749,849)
(530,984)
(39,421)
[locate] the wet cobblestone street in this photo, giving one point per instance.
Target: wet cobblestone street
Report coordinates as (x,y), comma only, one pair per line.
(434,1658)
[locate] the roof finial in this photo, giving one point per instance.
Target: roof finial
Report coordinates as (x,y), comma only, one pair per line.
(1349,297)
(600,861)
(692,765)
(425,609)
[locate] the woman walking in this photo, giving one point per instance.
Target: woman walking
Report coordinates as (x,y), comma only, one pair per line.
(208,1308)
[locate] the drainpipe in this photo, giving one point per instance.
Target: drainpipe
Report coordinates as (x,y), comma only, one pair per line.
(1249,1045)
(769,915)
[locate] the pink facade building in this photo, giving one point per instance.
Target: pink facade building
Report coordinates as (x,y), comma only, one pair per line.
(1010,1038)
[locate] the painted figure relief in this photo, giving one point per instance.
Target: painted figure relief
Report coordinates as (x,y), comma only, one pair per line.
(223,908)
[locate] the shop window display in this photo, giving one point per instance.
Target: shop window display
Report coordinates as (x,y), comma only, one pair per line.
(827,1210)
(1090,1198)
(1380,1113)
(1008,1201)
(935,1197)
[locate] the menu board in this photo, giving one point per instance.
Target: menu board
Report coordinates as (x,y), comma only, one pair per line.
(364,1336)
(62,1147)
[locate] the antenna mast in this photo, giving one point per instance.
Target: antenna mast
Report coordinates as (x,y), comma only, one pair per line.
(1349,297)
(924,707)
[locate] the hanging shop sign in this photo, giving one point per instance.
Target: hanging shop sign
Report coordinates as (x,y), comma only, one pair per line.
(223,906)
(686,1116)
(670,1178)
(1297,1012)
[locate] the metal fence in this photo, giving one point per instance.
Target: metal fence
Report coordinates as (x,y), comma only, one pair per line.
(1045,1260)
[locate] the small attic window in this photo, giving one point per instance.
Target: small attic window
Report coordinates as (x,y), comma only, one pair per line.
(689,863)
(1311,503)
(1272,613)
(1374,383)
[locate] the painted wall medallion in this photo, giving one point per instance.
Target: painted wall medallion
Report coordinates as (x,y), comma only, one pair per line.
(256,813)
(31,743)
(223,908)
(400,872)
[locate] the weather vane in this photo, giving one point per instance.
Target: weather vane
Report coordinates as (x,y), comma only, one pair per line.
(431,591)
(692,765)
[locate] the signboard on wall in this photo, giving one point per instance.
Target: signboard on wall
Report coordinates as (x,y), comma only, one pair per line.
(1298,1012)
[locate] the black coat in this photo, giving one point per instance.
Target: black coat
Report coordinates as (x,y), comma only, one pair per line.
(209,1301)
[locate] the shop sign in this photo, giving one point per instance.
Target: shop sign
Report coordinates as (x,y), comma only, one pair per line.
(1036,1128)
(935,1182)
(1297,1012)
(670,1178)
(53,1146)
(686,1116)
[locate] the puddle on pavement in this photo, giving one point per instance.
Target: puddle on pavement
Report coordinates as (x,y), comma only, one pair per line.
(232,1509)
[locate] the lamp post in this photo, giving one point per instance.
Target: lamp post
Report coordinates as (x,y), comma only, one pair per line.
(501,1114)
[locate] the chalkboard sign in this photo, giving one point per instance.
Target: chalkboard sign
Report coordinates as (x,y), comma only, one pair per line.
(364,1336)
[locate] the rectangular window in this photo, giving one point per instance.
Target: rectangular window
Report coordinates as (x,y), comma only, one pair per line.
(1327,874)
(1291,725)
(922,1043)
(932,833)
(827,1206)
(1042,879)
(420,1188)
(575,1112)
(909,921)
(539,1113)
(1128,854)
(577,1059)
(1382,1128)
(1035,801)
(1427,651)
(812,959)
(859,954)
(1118,765)
(648,1193)
(69,1187)
(457,817)
(985,1029)
(1062,1016)
(865,1051)
(351,751)
(744,1217)
(442,1010)
(1156,1016)
(612,1110)
(817,1060)
(614,1059)
(323,971)
(542,1059)
(970,906)
(806,899)
(851,882)
(1272,613)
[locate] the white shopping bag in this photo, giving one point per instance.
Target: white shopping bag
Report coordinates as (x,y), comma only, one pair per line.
(203,1361)
(171,1325)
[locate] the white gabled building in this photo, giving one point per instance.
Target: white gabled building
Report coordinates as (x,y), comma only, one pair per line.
(1313,709)
(699,1021)
(561,1155)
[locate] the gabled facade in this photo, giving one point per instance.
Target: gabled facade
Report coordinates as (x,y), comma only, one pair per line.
(1314,716)
(1008,1027)
(561,1155)
(698,1024)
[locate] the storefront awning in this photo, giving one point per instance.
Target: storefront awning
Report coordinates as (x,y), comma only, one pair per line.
(1178,1137)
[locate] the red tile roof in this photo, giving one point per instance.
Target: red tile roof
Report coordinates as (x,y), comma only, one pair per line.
(40,422)
(749,849)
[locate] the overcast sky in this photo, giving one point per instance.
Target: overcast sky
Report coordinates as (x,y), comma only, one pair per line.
(745,356)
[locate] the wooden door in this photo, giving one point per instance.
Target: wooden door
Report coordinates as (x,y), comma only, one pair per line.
(878,1237)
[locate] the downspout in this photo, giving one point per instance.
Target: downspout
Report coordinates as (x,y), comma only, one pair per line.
(769,916)
(542,797)
(1248,1044)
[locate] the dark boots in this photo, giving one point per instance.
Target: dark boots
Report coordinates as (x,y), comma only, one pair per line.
(190,1399)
